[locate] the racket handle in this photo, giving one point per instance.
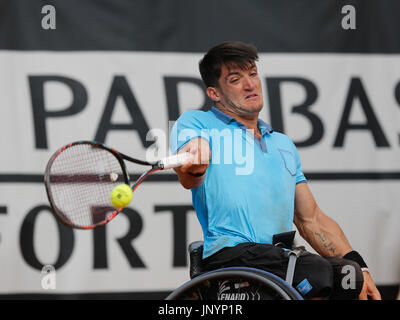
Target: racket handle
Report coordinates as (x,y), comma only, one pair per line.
(174,161)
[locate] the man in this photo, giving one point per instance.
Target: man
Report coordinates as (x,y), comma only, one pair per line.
(242,204)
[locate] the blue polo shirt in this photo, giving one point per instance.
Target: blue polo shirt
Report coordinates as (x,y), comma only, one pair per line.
(248,192)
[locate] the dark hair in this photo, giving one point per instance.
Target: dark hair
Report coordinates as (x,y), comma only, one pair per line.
(231,54)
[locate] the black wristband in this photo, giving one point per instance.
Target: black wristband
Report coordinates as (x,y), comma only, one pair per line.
(355,256)
(196,174)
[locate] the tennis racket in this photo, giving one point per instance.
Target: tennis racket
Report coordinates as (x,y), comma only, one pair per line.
(80,177)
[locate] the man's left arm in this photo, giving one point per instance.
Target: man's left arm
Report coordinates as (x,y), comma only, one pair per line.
(324,234)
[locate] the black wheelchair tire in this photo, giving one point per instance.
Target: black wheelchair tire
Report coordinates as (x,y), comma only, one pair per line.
(282,288)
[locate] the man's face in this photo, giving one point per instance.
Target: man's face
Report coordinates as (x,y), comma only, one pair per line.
(240,90)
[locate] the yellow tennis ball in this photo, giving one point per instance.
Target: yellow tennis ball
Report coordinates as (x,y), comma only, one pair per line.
(121,196)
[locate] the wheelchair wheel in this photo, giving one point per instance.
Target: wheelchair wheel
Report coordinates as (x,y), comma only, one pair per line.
(235,283)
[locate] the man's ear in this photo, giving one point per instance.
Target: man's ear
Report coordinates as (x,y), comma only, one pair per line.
(213,94)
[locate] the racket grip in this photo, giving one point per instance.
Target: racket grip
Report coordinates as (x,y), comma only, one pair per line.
(174,161)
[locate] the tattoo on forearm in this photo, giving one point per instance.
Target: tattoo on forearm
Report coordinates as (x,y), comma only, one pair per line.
(327,245)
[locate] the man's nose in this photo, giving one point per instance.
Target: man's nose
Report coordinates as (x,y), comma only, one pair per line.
(248,83)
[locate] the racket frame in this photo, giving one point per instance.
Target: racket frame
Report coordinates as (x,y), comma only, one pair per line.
(119,156)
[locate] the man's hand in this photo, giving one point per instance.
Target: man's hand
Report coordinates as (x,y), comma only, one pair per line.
(197,165)
(200,151)
(369,289)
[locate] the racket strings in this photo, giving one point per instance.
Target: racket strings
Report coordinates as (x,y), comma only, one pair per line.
(82,178)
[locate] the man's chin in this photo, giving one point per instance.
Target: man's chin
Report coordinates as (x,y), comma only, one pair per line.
(254,108)
(247,108)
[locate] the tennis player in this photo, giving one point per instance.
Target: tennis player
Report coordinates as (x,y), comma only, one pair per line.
(247,185)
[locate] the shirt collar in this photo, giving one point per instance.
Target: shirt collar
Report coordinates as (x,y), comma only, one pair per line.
(263,126)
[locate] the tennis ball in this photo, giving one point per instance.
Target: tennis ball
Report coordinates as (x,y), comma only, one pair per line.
(121,196)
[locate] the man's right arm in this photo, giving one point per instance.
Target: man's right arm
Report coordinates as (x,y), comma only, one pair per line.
(192,174)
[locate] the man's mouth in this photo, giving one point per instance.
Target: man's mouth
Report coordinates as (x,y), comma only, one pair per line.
(251,96)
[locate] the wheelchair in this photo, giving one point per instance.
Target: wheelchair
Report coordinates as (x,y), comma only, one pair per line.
(238,283)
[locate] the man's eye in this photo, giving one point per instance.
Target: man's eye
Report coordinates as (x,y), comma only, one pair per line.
(234,80)
(253,74)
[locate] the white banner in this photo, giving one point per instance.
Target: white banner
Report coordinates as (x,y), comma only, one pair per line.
(342,110)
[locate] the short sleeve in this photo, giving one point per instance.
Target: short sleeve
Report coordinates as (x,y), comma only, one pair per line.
(189,125)
(300,177)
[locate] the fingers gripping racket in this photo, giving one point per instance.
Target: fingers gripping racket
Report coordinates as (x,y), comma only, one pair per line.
(80,177)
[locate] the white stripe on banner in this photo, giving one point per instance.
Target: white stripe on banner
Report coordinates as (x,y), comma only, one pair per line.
(342,110)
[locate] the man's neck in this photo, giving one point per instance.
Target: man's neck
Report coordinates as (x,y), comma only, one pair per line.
(249,121)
